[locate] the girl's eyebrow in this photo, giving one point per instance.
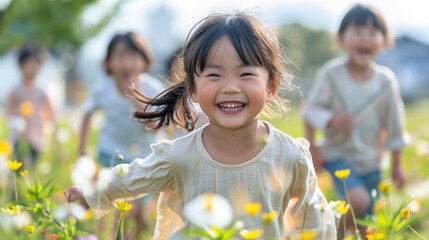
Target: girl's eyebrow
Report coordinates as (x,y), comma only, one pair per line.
(212,65)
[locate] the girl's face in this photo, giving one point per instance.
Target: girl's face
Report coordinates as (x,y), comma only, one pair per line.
(362,43)
(30,68)
(230,93)
(125,65)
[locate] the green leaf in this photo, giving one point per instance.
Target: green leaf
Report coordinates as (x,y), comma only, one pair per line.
(197,233)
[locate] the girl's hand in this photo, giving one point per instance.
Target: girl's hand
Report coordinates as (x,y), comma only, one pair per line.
(343,122)
(75,193)
(398,175)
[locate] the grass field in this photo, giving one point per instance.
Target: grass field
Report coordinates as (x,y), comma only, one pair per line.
(57,163)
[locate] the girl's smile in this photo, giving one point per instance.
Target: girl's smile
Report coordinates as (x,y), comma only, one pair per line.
(231,107)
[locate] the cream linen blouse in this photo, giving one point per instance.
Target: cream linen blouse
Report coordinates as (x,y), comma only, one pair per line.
(281,177)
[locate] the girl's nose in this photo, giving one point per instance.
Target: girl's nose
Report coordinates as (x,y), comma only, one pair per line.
(231,86)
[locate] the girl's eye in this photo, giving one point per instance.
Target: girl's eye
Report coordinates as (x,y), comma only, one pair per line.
(246,74)
(213,75)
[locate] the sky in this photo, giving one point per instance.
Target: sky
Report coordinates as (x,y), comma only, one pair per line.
(402,16)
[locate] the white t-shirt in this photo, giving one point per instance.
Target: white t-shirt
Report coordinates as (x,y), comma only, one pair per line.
(376,105)
(281,177)
(121,131)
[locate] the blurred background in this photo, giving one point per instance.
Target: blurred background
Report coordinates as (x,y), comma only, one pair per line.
(76,32)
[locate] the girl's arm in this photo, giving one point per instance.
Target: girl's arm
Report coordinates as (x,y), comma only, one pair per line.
(49,110)
(398,172)
(318,160)
(305,199)
(127,181)
(86,122)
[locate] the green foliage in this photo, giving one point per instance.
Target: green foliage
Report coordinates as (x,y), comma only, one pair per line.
(57,25)
(308,49)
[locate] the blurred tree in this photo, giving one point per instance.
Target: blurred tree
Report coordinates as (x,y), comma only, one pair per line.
(308,49)
(57,25)
(54,24)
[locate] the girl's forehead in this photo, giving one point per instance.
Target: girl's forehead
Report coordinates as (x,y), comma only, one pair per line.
(222,50)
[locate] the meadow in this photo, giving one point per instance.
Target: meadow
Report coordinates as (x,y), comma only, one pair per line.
(37,213)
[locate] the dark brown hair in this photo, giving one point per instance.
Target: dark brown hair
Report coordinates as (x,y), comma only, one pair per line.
(134,42)
(29,53)
(361,15)
(254,43)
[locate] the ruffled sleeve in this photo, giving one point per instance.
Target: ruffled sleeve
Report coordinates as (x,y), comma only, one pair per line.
(306,199)
(130,181)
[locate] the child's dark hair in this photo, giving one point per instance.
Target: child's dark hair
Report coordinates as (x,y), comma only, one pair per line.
(361,15)
(30,53)
(134,42)
(254,43)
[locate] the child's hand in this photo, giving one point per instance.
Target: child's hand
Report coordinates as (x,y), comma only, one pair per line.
(343,122)
(75,193)
(398,176)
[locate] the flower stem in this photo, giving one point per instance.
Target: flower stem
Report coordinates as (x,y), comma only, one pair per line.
(351,206)
(345,226)
(418,234)
(117,232)
(122,224)
(16,188)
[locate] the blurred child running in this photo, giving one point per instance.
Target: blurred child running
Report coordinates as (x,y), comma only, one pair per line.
(28,108)
(358,105)
(128,59)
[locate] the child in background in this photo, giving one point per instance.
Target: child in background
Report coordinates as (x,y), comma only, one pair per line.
(234,67)
(127,60)
(28,107)
(358,105)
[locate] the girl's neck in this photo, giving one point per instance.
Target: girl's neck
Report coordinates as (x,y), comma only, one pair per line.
(235,146)
(360,73)
(29,82)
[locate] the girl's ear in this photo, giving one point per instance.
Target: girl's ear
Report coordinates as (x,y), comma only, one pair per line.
(272,90)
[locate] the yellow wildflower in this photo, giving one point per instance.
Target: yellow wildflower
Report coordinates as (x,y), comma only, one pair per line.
(30,228)
(405,213)
(380,205)
(376,236)
(5,148)
(268,217)
(89,214)
(208,200)
(385,186)
(124,206)
(251,234)
(24,174)
(342,174)
(347,238)
(309,235)
(253,208)
(26,109)
(342,207)
(15,210)
(14,165)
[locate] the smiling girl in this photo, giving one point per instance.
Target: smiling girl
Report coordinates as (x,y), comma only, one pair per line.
(232,65)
